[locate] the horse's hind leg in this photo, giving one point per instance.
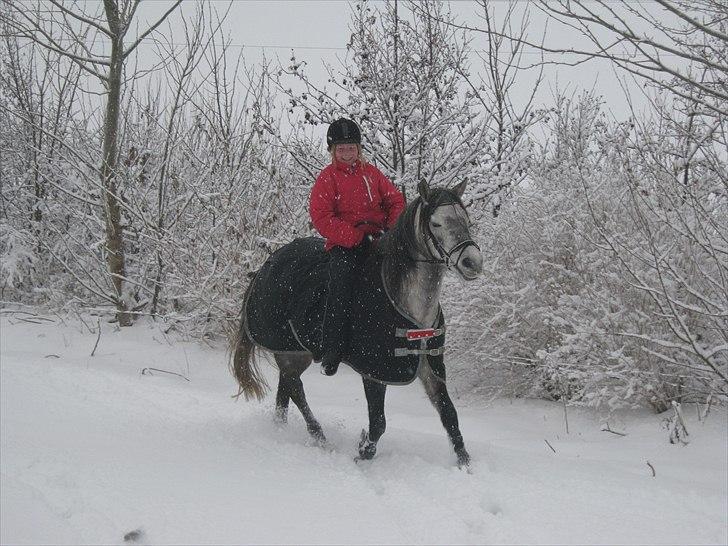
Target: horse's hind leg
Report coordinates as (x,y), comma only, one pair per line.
(290,386)
(282,398)
(377,422)
(299,398)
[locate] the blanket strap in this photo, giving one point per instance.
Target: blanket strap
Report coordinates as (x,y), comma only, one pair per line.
(422,333)
(401,351)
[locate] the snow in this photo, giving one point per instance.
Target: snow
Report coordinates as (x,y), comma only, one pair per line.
(91,450)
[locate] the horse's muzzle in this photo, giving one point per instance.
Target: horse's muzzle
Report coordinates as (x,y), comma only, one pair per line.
(470,263)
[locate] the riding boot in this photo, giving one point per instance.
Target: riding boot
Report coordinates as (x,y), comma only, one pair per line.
(337,322)
(330,362)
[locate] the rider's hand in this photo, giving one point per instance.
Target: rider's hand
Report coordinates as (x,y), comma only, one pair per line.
(375,236)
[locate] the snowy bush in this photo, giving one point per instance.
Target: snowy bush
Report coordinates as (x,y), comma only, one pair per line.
(599,293)
(18,258)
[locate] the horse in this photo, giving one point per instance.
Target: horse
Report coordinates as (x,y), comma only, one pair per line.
(398,328)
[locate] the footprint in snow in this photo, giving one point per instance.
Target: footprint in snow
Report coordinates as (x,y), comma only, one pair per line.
(134,537)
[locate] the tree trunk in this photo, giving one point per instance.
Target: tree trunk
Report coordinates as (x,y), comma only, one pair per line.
(114,229)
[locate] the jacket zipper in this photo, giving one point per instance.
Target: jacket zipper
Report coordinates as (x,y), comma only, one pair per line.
(369,191)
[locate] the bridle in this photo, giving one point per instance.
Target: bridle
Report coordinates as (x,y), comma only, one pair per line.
(445,256)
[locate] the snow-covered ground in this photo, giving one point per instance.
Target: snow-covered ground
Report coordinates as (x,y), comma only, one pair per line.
(92,450)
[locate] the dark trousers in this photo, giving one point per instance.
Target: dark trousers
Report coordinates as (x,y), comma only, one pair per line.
(343,267)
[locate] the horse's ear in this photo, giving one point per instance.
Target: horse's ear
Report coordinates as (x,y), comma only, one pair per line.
(460,188)
(423,189)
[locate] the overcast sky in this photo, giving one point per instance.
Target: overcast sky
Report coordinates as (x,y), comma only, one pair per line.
(318,32)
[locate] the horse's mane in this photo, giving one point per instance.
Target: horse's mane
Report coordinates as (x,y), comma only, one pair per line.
(400,246)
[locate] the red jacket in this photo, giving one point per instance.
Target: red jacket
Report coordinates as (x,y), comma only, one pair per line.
(343,196)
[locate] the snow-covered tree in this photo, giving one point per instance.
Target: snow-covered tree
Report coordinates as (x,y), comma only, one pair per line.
(38,90)
(403,83)
(51,25)
(204,193)
(680,46)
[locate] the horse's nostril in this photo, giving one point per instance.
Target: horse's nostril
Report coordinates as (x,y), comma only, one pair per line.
(471,265)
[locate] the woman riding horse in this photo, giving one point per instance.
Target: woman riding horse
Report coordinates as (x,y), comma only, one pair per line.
(350,201)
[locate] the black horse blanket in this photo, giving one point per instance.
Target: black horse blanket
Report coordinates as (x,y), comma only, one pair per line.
(285,306)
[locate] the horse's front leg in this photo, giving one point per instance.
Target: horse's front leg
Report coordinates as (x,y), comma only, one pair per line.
(437,393)
(377,422)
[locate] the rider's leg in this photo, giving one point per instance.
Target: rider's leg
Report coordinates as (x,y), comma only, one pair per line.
(336,325)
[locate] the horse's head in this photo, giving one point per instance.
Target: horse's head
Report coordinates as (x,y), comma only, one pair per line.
(445,227)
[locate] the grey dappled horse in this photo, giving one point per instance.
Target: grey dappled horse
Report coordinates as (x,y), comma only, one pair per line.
(431,236)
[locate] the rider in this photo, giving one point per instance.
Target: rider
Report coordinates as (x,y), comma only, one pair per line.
(351,200)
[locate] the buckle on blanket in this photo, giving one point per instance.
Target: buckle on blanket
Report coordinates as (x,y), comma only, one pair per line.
(422,333)
(401,351)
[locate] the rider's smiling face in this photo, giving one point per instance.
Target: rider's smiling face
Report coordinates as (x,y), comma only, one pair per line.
(346,153)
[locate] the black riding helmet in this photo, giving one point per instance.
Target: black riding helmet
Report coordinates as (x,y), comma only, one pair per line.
(343,131)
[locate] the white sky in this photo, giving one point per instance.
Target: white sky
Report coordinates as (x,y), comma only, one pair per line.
(317,30)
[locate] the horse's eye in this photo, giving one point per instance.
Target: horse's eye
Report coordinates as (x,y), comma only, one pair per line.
(435,224)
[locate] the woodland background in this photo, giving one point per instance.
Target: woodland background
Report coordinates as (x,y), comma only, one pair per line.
(132,187)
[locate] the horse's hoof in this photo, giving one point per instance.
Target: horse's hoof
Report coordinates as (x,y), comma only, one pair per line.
(317,442)
(317,438)
(367,448)
(464,460)
(280,418)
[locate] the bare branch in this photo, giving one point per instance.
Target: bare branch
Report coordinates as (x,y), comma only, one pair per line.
(151,29)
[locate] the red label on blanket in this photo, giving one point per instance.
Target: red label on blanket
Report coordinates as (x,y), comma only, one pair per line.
(420,334)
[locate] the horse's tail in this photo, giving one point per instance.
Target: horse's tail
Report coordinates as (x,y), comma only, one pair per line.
(243,363)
